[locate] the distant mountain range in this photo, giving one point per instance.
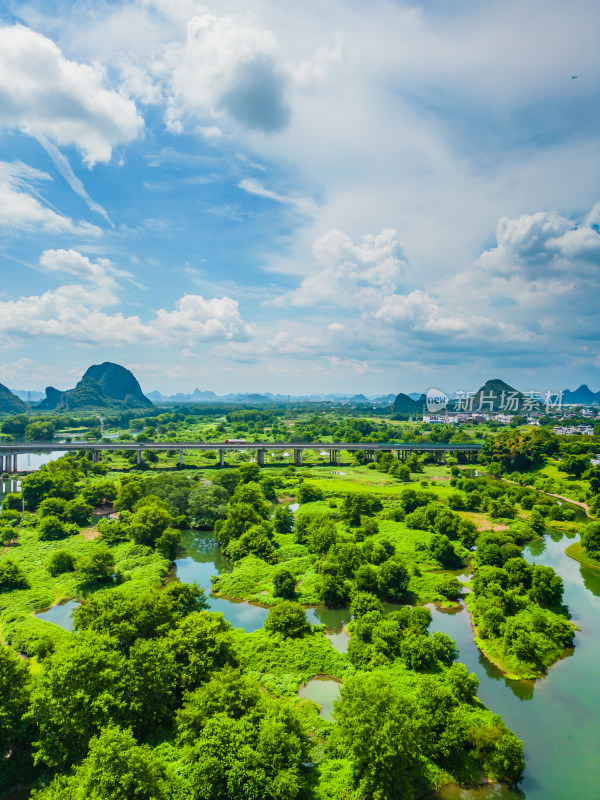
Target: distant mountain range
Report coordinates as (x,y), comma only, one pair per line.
(210,397)
(110,385)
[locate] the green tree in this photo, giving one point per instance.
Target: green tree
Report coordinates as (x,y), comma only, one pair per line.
(11,576)
(207,504)
(78,512)
(251,494)
(256,541)
(255,756)
(52,507)
(96,566)
(575,465)
(283,519)
(357,505)
(126,617)
(80,690)
(129,491)
(168,542)
(365,579)
(13,501)
(381,732)
(546,586)
(201,643)
(39,431)
(249,472)
(284,585)
(61,561)
(287,618)
(590,539)
(51,528)
(240,517)
(365,603)
(149,522)
(116,768)
(308,493)
(14,698)
(393,579)
(228,479)
(321,534)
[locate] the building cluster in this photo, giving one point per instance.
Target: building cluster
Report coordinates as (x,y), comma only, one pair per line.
(574,430)
(461,418)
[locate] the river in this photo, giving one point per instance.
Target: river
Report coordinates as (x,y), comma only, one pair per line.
(556,717)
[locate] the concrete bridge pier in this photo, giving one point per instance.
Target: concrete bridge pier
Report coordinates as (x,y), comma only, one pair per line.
(334,456)
(221,458)
(139,456)
(298,457)
(260,457)
(95,455)
(2,464)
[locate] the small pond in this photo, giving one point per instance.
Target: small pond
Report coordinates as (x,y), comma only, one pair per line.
(202,558)
(60,614)
(322,690)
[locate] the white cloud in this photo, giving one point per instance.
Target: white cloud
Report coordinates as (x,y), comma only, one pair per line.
(75,311)
(22,207)
(352,275)
(255,187)
(47,96)
(228,67)
(196,317)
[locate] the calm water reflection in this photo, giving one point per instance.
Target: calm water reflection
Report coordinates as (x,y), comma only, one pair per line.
(557,716)
(323,691)
(60,614)
(201,560)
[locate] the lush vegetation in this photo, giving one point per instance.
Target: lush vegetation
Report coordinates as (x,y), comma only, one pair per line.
(154,696)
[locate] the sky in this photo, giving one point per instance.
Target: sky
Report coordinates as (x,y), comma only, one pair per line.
(300,198)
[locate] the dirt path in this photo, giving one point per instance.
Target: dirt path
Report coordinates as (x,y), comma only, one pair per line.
(8,545)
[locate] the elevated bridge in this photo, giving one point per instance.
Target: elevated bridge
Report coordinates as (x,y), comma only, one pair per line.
(9,453)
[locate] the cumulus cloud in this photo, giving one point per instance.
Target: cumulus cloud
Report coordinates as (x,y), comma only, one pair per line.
(75,311)
(535,291)
(228,67)
(22,206)
(351,275)
(196,317)
(47,96)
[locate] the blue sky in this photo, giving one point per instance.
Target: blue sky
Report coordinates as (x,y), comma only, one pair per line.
(300,198)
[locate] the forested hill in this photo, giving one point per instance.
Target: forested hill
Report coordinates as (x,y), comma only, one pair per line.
(102,385)
(9,402)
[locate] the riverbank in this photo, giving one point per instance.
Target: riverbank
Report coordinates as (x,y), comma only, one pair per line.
(577,552)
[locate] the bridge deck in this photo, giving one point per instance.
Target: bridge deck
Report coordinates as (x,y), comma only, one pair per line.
(44,447)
